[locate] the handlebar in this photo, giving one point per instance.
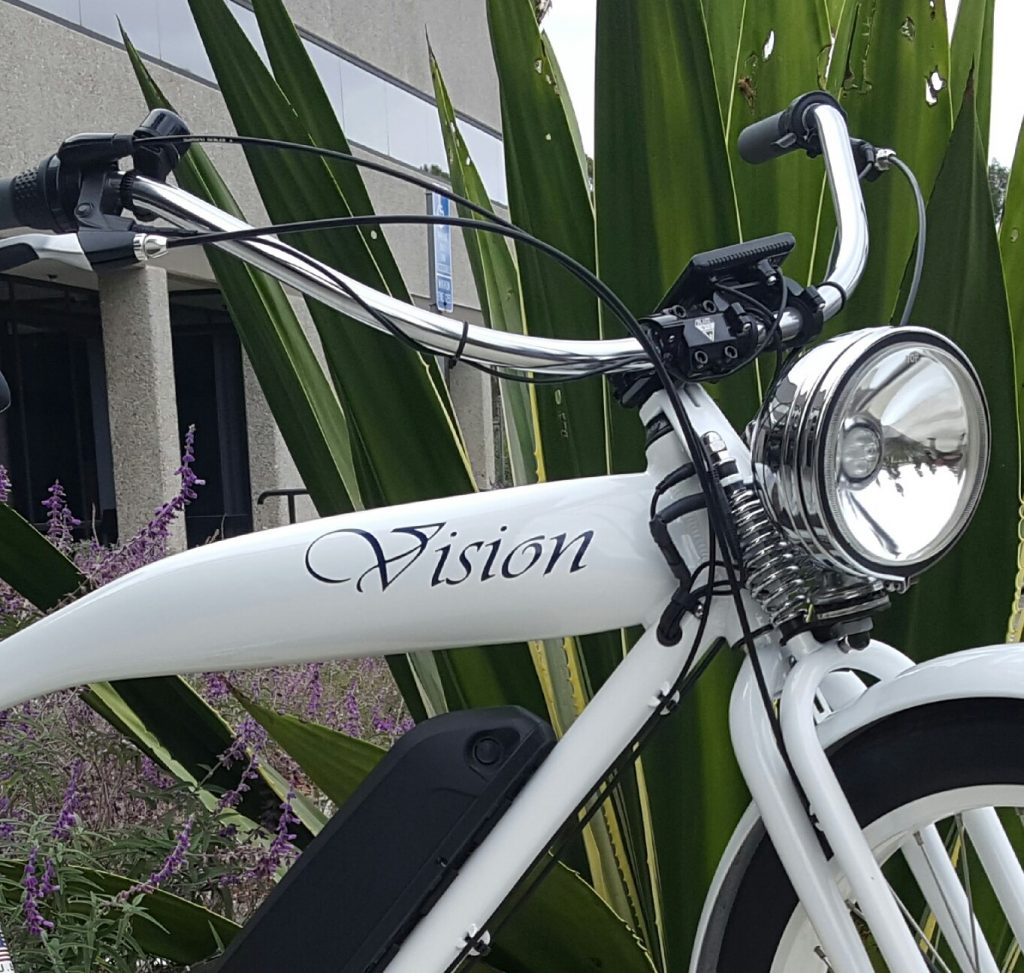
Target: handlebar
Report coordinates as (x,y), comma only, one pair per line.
(793,128)
(815,117)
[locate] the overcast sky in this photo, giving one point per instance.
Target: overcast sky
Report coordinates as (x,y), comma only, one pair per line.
(570,24)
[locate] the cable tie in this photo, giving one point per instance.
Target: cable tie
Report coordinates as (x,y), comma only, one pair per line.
(835,287)
(457,357)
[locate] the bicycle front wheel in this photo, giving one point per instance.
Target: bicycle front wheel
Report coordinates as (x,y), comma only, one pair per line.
(920,783)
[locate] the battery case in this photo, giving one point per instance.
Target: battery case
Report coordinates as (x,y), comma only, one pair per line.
(380,863)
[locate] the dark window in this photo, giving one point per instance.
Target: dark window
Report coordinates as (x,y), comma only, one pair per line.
(210,393)
(51,352)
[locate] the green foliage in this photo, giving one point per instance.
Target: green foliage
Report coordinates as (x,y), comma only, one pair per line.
(676,81)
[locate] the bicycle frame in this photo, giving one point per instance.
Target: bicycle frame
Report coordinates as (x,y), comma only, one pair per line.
(504,566)
(531,563)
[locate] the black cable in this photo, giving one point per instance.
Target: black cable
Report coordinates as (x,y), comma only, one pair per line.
(718,516)
(695,448)
(922,234)
(687,679)
(584,274)
(393,329)
(280,144)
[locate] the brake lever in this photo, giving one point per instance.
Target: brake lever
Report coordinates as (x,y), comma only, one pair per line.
(63,248)
(88,249)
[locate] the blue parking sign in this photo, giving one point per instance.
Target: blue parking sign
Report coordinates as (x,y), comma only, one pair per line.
(441,255)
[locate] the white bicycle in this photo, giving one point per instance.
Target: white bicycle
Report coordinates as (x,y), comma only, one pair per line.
(887,796)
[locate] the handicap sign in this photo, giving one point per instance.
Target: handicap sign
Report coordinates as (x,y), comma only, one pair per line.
(444,295)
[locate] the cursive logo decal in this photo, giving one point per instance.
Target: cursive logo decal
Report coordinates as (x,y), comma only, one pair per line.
(337,557)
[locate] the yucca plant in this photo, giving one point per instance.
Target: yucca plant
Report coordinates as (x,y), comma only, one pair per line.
(676,80)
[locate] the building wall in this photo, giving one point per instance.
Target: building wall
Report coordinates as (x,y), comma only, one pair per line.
(59,80)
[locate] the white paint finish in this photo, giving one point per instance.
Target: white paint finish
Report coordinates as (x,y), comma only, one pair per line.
(935,875)
(601,732)
(251,601)
(786,821)
(835,816)
(995,671)
(1000,862)
(992,672)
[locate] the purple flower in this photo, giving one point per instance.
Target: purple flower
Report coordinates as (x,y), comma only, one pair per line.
(67,818)
(60,522)
(171,864)
(282,846)
(102,565)
(153,775)
(315,689)
(35,893)
(217,687)
(5,484)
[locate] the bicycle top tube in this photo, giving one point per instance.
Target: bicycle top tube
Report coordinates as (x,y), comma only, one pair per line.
(483,345)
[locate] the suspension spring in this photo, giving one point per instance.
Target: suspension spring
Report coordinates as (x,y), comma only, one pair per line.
(775,570)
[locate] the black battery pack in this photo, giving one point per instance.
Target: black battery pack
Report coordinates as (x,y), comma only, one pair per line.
(386,856)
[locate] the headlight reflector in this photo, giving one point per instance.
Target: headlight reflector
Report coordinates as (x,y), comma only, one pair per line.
(872,450)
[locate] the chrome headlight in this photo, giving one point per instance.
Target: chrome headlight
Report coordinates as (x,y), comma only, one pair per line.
(872,451)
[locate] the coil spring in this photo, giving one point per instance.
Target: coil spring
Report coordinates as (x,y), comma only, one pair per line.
(775,569)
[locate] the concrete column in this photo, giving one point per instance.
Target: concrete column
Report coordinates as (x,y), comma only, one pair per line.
(140,391)
(271,466)
(473,397)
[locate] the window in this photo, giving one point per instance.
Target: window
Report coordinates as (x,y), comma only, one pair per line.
(376,112)
(210,394)
(51,352)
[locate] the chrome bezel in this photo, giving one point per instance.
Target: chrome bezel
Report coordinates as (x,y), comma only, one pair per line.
(788,448)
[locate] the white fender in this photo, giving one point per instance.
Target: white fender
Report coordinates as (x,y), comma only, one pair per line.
(995,671)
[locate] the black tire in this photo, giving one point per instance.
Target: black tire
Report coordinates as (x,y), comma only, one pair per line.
(903,758)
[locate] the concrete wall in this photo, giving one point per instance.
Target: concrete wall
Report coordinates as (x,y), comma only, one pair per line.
(391,34)
(59,81)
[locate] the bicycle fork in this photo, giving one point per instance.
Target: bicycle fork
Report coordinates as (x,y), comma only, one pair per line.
(799,678)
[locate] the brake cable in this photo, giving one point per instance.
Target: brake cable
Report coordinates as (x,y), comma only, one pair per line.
(718,515)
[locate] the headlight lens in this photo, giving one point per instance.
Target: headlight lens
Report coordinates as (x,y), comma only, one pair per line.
(873,449)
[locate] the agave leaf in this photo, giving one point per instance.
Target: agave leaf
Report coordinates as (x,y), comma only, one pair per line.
(963,296)
(697,796)
(883,55)
(971,58)
(1011,243)
(497,281)
(31,565)
(414,454)
(152,714)
(300,397)
(173,928)
(564,927)
(336,763)
(545,183)
(779,52)
(301,85)
(658,136)
(835,10)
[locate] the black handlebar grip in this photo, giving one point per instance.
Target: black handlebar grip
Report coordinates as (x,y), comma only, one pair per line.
(27,199)
(8,218)
(766,140)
